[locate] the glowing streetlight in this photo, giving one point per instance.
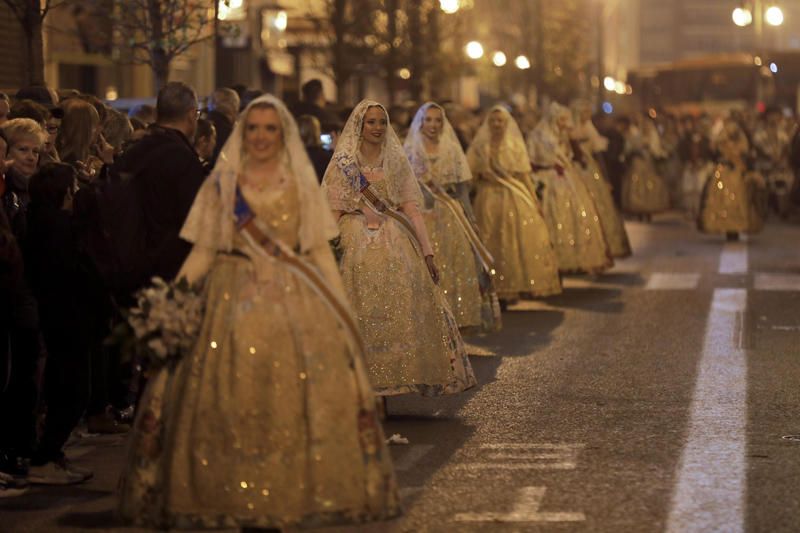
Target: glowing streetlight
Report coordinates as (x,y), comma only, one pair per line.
(522,63)
(281,21)
(609,83)
(774,16)
(474,50)
(742,17)
(499,59)
(449,6)
(619,87)
(404,73)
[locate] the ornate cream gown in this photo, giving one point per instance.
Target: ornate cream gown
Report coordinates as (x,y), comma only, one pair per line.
(412,339)
(511,224)
(610,218)
(456,261)
(270,421)
(570,211)
(644,192)
(726,205)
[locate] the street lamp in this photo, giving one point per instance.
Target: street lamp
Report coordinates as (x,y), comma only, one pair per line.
(609,83)
(474,50)
(742,17)
(449,6)
(499,59)
(774,16)
(522,63)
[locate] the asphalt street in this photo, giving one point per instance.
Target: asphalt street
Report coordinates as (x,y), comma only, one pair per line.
(656,397)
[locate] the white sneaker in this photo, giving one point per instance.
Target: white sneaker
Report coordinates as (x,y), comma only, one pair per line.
(53,474)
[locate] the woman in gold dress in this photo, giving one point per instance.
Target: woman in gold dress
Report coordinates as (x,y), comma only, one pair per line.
(644,192)
(270,421)
(507,212)
(412,340)
(464,262)
(727,204)
(587,143)
(571,214)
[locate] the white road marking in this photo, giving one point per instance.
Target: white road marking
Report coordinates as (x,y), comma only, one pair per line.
(776,282)
(526,509)
(709,494)
(672,281)
(733,259)
(410,458)
(785,328)
(523,456)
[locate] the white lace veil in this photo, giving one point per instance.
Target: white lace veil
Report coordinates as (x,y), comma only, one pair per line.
(544,144)
(512,156)
(343,193)
(211,219)
(451,164)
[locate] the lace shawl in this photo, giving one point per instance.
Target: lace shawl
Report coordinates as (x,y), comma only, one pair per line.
(211,222)
(545,145)
(450,164)
(512,156)
(341,177)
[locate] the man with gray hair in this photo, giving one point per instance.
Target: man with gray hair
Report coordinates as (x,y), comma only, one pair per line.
(223,108)
(162,173)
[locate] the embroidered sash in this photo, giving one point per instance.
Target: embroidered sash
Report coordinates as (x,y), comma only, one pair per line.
(478,248)
(256,235)
(502,178)
(362,185)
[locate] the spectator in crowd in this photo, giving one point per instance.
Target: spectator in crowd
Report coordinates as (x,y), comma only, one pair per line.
(18,356)
(143,112)
(166,174)
(223,109)
(76,141)
(117,130)
(5,108)
(49,119)
(615,155)
(313,103)
(59,284)
(310,133)
(26,140)
(205,140)
(39,94)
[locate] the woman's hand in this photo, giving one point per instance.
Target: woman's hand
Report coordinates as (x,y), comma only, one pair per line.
(432,268)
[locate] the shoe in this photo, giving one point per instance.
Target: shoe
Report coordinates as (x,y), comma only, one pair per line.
(72,467)
(53,473)
(11,486)
(104,423)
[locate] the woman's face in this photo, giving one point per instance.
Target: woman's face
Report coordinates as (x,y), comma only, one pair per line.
(263,135)
(497,124)
(25,154)
(375,123)
(433,123)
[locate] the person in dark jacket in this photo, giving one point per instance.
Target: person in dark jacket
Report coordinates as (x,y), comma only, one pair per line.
(166,174)
(223,109)
(59,283)
(313,103)
(19,349)
(310,132)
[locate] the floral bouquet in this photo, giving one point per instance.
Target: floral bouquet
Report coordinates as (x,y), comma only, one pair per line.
(163,325)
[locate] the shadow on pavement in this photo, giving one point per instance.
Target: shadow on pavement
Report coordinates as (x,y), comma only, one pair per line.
(595,299)
(523,332)
(43,498)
